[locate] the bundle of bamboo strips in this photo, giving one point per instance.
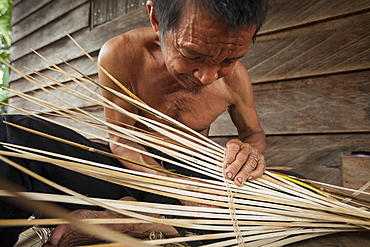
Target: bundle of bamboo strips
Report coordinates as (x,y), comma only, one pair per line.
(271,211)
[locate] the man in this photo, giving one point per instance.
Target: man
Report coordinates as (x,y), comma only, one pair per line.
(186,66)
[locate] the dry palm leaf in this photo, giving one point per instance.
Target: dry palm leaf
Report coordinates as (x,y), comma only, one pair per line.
(271,211)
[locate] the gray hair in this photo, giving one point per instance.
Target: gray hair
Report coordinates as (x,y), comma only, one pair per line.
(233,13)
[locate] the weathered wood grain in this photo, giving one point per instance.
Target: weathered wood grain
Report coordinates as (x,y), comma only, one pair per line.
(71,22)
(24,8)
(137,18)
(44,15)
(53,99)
(107,10)
(16,2)
(355,171)
(322,48)
(82,64)
(89,40)
(132,5)
(121,7)
(316,157)
(223,126)
(99,12)
(344,239)
(287,14)
(337,103)
(63,48)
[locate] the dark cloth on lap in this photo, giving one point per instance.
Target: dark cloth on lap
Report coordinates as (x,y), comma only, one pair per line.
(83,184)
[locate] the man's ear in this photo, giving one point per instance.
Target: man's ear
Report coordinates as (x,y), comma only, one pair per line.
(150,6)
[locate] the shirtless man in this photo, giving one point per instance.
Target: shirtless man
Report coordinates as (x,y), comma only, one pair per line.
(187,66)
(190,72)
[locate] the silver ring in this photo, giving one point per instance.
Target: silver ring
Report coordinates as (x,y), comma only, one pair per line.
(255,158)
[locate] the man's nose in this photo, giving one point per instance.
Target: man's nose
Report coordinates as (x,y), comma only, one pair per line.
(207,75)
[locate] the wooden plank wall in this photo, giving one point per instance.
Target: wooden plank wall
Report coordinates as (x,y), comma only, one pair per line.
(310,69)
(103,11)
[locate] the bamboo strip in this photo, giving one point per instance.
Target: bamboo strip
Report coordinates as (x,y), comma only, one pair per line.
(264,205)
(185,196)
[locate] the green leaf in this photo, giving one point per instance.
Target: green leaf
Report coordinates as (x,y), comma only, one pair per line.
(3,96)
(5,79)
(5,7)
(4,32)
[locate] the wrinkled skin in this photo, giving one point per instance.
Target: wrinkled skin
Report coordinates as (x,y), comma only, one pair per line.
(240,164)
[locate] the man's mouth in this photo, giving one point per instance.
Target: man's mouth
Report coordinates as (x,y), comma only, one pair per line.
(188,80)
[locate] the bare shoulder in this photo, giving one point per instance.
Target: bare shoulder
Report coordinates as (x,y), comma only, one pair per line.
(121,54)
(127,46)
(239,82)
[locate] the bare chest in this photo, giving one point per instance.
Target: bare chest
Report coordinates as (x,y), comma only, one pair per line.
(197,109)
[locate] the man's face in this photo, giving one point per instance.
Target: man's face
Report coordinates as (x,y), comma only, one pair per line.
(200,51)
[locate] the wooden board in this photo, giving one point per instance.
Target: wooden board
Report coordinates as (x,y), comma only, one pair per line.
(16,2)
(329,47)
(287,14)
(53,99)
(345,239)
(104,11)
(99,12)
(48,13)
(316,157)
(337,103)
(63,48)
(83,64)
(355,171)
(24,8)
(89,40)
(327,104)
(70,23)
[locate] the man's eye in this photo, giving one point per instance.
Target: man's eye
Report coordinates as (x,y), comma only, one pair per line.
(189,57)
(228,62)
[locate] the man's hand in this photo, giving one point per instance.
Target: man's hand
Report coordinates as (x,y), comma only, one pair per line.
(68,235)
(242,162)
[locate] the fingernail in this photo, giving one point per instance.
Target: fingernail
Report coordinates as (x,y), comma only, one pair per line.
(229,175)
(240,180)
(250,178)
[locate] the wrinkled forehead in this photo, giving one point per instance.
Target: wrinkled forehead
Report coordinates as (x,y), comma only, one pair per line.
(197,30)
(195,24)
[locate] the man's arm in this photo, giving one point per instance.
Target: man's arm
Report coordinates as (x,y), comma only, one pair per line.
(244,159)
(114,59)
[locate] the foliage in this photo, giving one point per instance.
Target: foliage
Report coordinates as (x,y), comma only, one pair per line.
(5,42)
